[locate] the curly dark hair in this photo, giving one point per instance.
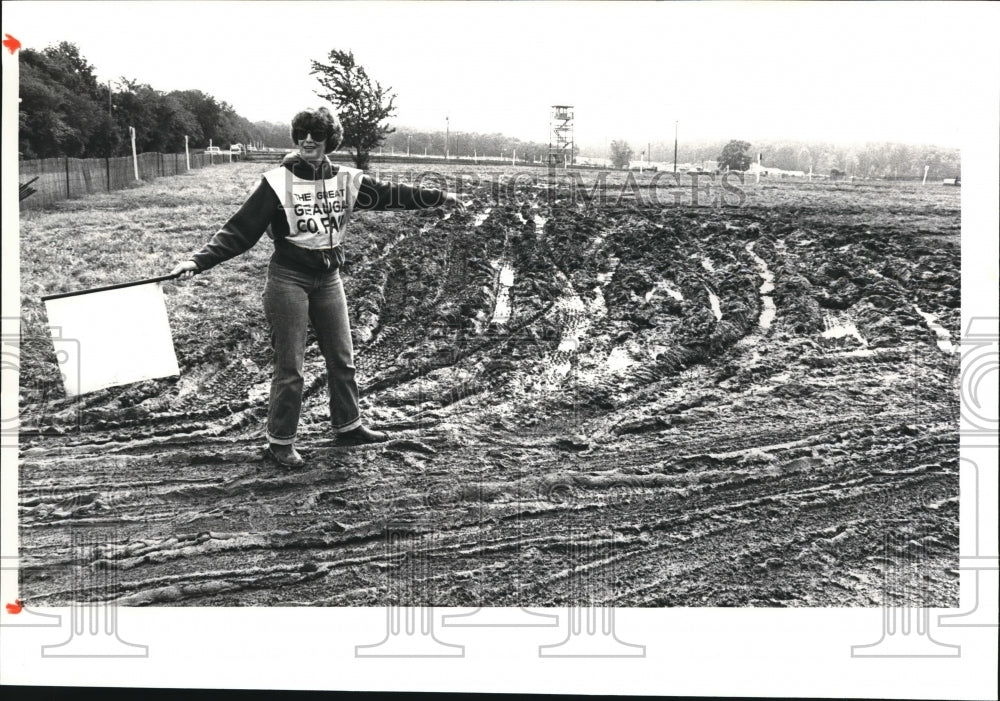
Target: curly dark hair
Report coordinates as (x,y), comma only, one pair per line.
(320,119)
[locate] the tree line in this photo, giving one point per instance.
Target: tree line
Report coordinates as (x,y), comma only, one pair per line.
(869,160)
(464,144)
(65,111)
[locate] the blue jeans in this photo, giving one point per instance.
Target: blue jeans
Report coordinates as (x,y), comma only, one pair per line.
(293,300)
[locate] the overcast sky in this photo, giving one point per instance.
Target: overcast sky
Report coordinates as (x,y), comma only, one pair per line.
(835,72)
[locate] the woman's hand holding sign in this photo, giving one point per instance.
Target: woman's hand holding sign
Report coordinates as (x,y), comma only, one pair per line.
(185,270)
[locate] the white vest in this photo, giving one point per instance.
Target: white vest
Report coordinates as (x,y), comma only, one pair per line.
(317,210)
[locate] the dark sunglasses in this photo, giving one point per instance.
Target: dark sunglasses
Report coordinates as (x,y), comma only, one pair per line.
(317,135)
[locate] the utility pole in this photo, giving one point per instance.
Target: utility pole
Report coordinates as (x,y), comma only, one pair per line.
(447,137)
(675,145)
(407,145)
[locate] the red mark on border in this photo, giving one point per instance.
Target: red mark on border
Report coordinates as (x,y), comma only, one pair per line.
(16,606)
(12,45)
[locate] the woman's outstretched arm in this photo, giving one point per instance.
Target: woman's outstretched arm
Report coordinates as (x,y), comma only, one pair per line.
(237,235)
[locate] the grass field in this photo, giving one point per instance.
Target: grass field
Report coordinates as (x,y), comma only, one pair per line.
(612,395)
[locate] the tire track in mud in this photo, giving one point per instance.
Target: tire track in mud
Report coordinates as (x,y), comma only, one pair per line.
(465,275)
(658,518)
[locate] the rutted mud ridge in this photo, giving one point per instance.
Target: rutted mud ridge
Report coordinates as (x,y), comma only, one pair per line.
(688,406)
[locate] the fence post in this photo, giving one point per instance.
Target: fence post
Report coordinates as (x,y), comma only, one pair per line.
(176,167)
(107,170)
(67,177)
(135,158)
(187,154)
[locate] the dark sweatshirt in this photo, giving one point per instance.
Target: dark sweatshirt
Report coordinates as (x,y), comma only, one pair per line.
(263,210)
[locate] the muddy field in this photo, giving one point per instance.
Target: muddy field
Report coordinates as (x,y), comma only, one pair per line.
(617,402)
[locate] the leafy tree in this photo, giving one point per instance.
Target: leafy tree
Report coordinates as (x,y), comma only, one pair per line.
(784,158)
(206,112)
(271,134)
(363,105)
(734,156)
(61,111)
(65,111)
(900,161)
(134,106)
(173,122)
(621,154)
(804,160)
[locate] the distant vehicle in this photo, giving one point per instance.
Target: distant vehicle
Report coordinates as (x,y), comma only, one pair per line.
(213,149)
(236,148)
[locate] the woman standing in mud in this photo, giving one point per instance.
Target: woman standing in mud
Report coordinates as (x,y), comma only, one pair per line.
(305,204)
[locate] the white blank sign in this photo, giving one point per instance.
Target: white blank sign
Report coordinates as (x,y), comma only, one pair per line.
(118,336)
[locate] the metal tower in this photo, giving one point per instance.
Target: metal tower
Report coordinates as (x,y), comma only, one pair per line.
(561,136)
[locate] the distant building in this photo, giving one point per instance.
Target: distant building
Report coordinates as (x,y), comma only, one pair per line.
(642,165)
(775,172)
(592,161)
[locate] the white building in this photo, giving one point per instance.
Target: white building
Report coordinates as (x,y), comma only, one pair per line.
(775,172)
